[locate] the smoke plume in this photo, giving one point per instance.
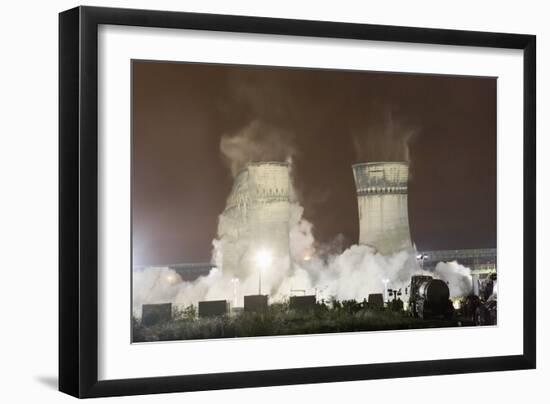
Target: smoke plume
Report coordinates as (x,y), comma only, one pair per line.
(257,141)
(458,277)
(385,140)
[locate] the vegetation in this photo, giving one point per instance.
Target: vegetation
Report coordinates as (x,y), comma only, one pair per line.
(345,316)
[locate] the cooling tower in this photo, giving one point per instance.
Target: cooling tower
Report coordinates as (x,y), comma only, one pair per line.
(383,208)
(256,218)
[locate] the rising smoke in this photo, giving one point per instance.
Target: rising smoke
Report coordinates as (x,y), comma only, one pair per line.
(458,277)
(383,140)
(257,141)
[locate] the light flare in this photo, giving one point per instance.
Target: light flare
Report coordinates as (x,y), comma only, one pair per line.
(263,258)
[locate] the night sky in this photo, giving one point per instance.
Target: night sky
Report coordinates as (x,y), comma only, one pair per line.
(329,119)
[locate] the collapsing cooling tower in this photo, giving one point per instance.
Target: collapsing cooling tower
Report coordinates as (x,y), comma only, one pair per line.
(256,218)
(383,208)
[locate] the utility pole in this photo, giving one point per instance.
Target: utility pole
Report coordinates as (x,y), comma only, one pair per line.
(235,282)
(260,282)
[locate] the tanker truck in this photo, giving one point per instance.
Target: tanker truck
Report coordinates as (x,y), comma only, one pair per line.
(429,298)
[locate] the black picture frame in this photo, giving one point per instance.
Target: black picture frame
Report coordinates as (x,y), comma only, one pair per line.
(78,201)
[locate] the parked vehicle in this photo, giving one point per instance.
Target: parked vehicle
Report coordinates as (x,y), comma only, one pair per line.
(429,298)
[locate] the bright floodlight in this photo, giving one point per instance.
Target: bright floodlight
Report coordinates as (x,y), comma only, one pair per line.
(263,258)
(170,278)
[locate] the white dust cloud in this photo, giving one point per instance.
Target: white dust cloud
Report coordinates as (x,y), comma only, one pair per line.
(458,277)
(353,274)
(257,141)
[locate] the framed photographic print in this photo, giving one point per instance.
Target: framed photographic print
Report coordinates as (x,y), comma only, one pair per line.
(251,201)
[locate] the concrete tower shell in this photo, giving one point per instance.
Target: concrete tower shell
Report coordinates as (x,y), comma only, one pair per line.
(256,217)
(383,205)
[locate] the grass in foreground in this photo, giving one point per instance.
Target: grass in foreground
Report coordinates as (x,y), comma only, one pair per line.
(278,320)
